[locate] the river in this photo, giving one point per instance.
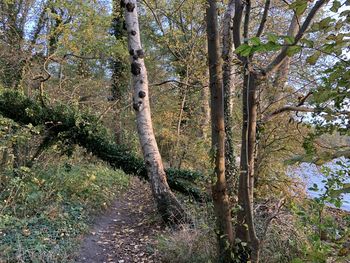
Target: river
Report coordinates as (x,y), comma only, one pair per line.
(311,174)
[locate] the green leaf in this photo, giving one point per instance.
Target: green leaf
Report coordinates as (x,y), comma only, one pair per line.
(255,41)
(313,58)
(309,43)
(325,23)
(336,5)
(299,6)
(328,48)
(244,50)
(270,46)
(345,13)
(339,25)
(272,38)
(338,192)
(315,27)
(260,48)
(241,48)
(289,40)
(293,50)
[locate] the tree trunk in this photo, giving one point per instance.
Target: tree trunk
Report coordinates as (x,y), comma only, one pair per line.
(119,69)
(245,230)
(205,108)
(228,82)
(220,197)
(283,70)
(168,206)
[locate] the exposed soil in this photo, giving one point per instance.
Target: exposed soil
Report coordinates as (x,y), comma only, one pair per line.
(126,232)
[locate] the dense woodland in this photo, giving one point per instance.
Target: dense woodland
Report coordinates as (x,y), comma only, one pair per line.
(213,105)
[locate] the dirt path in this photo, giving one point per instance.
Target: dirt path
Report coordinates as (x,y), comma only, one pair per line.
(127,232)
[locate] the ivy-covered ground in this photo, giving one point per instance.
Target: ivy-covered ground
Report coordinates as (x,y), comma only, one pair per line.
(44,212)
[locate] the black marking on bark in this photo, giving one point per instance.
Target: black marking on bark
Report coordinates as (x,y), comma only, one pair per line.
(137,105)
(142,94)
(133,32)
(130,7)
(131,52)
(135,68)
(124,25)
(140,53)
(141,81)
(122,3)
(135,57)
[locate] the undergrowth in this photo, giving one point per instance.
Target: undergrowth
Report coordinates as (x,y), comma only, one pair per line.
(43,212)
(194,243)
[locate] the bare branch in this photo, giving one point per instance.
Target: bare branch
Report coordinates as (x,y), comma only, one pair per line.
(107,110)
(279,205)
(237,21)
(303,99)
(246,21)
(304,109)
(173,81)
(264,18)
(78,56)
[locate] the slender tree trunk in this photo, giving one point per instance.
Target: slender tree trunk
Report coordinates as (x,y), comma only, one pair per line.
(219,192)
(168,206)
(283,70)
(119,69)
(205,109)
(245,230)
(228,82)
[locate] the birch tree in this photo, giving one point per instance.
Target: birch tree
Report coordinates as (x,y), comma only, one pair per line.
(168,206)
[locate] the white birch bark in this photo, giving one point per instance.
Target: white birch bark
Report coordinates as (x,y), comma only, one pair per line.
(168,206)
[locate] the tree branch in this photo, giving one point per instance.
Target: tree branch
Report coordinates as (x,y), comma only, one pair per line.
(303,99)
(78,56)
(280,57)
(173,81)
(304,109)
(264,18)
(237,21)
(246,21)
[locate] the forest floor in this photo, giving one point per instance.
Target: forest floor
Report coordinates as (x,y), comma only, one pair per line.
(127,231)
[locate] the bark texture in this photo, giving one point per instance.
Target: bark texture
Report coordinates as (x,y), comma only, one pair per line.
(168,206)
(205,111)
(228,83)
(283,70)
(245,230)
(219,192)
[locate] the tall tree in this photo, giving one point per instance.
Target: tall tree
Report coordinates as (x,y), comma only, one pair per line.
(219,191)
(168,206)
(229,85)
(253,79)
